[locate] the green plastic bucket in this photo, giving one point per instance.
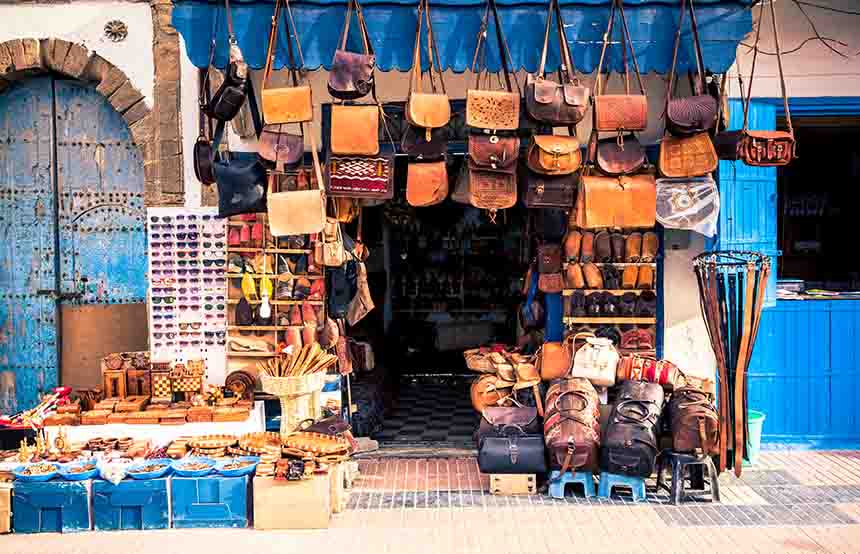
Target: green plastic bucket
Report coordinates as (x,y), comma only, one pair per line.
(755,424)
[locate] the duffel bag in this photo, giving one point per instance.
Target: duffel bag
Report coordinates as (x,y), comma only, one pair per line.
(694,421)
(572,425)
(630,444)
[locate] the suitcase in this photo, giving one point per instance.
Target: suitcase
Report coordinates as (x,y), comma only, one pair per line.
(572,424)
(630,445)
(510,441)
(694,422)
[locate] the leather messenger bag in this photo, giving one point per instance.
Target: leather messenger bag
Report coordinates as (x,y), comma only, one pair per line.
(285,104)
(493,172)
(351,75)
(626,201)
(426,110)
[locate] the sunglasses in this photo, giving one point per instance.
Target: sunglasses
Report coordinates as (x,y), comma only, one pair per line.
(190,343)
(189,236)
(163,272)
(166,236)
(188,271)
(210,298)
(189,217)
(165,282)
(213,306)
(165,245)
(215,235)
(161,291)
(164,335)
(165,299)
(215,334)
(214,342)
(187,254)
(189,263)
(164,218)
(216,263)
(186,326)
(219,244)
(168,344)
(162,325)
(163,316)
(193,290)
(186,307)
(216,316)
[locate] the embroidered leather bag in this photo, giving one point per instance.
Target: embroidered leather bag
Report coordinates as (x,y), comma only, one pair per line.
(697,113)
(572,425)
(426,110)
(351,75)
(426,183)
(692,156)
(492,109)
(360,176)
(554,155)
(619,112)
(563,103)
(628,201)
(355,129)
(492,172)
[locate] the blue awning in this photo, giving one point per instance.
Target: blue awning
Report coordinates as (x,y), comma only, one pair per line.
(391,24)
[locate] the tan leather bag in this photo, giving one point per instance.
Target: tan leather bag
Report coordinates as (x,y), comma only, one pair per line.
(362,303)
(285,104)
(429,110)
(330,251)
(355,129)
(626,201)
(297,212)
(554,155)
(492,109)
(554,360)
(426,183)
(692,156)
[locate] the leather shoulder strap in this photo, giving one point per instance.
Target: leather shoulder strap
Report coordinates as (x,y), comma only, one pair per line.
(699,84)
(273,41)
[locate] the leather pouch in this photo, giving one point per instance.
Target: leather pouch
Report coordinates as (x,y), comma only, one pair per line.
(554,155)
(549,258)
(426,183)
(355,130)
(621,155)
(544,191)
(692,156)
(360,177)
(331,245)
(616,201)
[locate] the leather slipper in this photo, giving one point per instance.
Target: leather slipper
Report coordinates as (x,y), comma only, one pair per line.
(611,278)
(592,304)
(650,245)
(646,306)
(628,304)
(567,305)
(602,247)
(645,280)
(629,277)
(586,253)
(573,278)
(593,277)
(572,245)
(610,304)
(646,339)
(617,242)
(630,339)
(633,248)
(578,306)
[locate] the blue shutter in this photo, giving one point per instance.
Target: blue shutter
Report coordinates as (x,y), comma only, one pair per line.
(748,197)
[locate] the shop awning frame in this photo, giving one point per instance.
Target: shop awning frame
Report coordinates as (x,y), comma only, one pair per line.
(391,23)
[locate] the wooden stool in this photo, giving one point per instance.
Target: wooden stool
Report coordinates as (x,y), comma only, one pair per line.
(684,466)
(610,480)
(558,483)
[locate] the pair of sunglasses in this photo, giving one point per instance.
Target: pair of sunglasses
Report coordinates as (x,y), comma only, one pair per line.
(159,335)
(216,263)
(162,218)
(214,306)
(216,244)
(189,236)
(214,334)
(164,299)
(195,325)
(219,342)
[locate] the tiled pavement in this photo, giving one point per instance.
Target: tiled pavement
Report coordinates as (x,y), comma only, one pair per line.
(790,502)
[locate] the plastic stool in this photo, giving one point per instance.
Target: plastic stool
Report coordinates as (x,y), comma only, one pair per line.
(610,480)
(684,465)
(557,484)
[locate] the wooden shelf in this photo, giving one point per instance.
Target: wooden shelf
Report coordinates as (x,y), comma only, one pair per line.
(421,311)
(233,301)
(251,354)
(274,275)
(617,264)
(569,292)
(243,249)
(611,320)
(261,327)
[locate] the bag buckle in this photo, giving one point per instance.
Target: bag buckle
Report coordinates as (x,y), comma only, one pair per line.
(494,139)
(556,155)
(539,189)
(515,451)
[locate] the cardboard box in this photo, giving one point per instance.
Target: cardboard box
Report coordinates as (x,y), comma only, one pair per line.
(304,504)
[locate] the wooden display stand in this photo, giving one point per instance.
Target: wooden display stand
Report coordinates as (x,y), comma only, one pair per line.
(506,485)
(305,504)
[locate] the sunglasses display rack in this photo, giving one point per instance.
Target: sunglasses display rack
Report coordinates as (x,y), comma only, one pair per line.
(188,287)
(297,300)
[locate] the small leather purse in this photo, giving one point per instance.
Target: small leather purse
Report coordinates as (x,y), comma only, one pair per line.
(492,109)
(426,110)
(619,155)
(558,104)
(355,129)
(554,155)
(351,76)
(426,183)
(692,156)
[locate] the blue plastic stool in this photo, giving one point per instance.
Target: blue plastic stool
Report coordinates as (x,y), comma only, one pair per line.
(610,480)
(558,485)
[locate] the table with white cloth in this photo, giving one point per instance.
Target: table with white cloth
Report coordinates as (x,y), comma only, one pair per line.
(164,434)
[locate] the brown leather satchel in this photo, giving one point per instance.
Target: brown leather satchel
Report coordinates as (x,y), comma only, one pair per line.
(549,258)
(554,360)
(554,155)
(619,112)
(426,183)
(492,172)
(619,155)
(691,156)
(572,425)
(285,149)
(627,201)
(285,104)
(492,109)
(544,191)
(428,110)
(697,113)
(562,103)
(694,421)
(351,75)
(355,129)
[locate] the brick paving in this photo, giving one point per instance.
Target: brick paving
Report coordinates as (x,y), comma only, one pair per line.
(790,502)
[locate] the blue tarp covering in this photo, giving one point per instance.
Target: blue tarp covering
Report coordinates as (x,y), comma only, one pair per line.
(391,25)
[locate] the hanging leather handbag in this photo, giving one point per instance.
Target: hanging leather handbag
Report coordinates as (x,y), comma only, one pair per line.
(493,172)
(555,358)
(596,361)
(554,155)
(572,425)
(558,104)
(697,113)
(490,390)
(510,449)
(691,204)
(204,153)
(226,102)
(426,183)
(630,444)
(286,150)
(367,177)
(362,303)
(549,258)
(241,183)
(414,142)
(491,109)
(355,130)
(426,110)
(551,283)
(331,251)
(544,191)
(694,422)
(619,155)
(285,104)
(692,156)
(351,75)
(628,201)
(619,113)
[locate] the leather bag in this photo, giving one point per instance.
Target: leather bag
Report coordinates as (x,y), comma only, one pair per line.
(619,155)
(692,156)
(693,114)
(492,172)
(689,204)
(490,390)
(426,110)
(492,109)
(596,360)
(572,425)
(510,450)
(545,191)
(330,251)
(554,155)
(351,76)
(558,104)
(362,303)
(355,130)
(426,183)
(555,358)
(619,113)
(241,184)
(694,422)
(551,283)
(226,102)
(204,151)
(635,367)
(285,104)
(549,258)
(415,143)
(360,176)
(628,201)
(298,212)
(630,445)
(285,149)
(495,418)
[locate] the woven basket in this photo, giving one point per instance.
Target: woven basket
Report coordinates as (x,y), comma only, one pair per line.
(300,398)
(293,386)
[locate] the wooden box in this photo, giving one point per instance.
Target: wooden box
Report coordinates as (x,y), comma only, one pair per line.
(162,389)
(113,382)
(523,483)
(132,404)
(95,417)
(117,417)
(138,382)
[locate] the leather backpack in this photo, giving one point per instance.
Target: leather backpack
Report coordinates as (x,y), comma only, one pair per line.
(226,102)
(619,113)
(693,114)
(492,109)
(493,172)
(351,75)
(558,104)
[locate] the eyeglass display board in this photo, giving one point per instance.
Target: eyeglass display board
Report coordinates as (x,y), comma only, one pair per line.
(188,287)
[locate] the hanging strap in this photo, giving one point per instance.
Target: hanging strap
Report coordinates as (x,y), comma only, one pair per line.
(273,41)
(566,70)
(365,39)
(626,43)
(504,53)
(748,99)
(432,52)
(231,35)
(699,84)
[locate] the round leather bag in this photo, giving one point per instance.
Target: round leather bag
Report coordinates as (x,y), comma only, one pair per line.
(488,390)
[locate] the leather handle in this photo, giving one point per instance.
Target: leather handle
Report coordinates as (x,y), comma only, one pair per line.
(617,9)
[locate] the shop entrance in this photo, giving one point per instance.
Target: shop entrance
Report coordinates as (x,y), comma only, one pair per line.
(73,256)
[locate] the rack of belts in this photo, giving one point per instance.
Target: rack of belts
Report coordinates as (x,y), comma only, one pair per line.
(731,293)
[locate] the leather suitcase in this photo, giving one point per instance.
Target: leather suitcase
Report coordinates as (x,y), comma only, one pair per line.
(694,422)
(511,451)
(572,424)
(630,445)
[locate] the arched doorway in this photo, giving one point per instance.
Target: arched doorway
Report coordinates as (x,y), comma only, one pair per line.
(72,239)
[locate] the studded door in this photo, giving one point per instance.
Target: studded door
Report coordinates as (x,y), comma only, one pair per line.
(70,183)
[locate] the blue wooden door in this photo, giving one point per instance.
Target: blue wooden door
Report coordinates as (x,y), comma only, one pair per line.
(71,218)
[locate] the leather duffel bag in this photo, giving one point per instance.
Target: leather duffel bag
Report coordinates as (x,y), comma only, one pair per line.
(572,425)
(630,445)
(694,422)
(511,450)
